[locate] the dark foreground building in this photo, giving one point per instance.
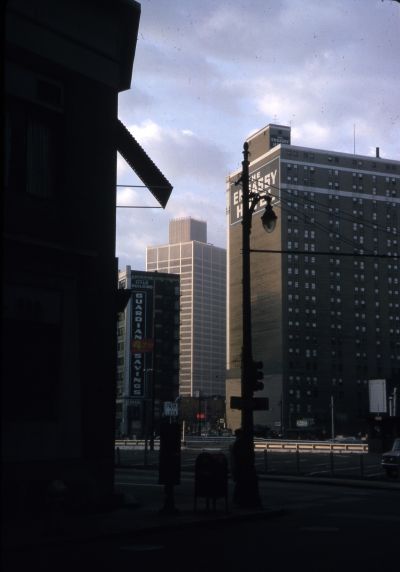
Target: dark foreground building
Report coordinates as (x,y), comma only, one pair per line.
(325,304)
(65,64)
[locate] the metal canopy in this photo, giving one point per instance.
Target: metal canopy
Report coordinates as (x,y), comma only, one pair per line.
(140,162)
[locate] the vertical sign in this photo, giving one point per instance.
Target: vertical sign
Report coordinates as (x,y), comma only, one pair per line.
(141,335)
(377,396)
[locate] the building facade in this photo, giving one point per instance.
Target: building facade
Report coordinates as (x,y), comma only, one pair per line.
(325,291)
(148,351)
(59,271)
(202,268)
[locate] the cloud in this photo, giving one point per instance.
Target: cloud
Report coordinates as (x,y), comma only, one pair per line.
(312,131)
(208,73)
(146,132)
(195,167)
(136,230)
(180,153)
(211,61)
(139,228)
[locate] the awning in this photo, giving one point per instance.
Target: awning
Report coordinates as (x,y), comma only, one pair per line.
(140,162)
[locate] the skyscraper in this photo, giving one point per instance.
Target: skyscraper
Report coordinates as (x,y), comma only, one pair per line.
(325,289)
(202,267)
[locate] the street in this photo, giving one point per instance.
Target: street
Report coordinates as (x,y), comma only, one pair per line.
(315,464)
(319,527)
(323,527)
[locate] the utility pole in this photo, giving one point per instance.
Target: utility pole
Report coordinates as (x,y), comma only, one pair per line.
(246,482)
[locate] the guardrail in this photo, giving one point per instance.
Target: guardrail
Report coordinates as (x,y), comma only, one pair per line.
(131,442)
(310,446)
(266,445)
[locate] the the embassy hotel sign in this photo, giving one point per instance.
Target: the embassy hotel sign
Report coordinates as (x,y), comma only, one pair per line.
(264,180)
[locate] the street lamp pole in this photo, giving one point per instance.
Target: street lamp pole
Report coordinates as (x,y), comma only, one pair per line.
(247,492)
(332,417)
(247,357)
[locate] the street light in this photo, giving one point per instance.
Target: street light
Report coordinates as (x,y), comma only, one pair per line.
(246,485)
(269,217)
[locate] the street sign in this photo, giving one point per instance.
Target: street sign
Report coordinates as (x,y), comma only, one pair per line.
(254,403)
(170,409)
(377,396)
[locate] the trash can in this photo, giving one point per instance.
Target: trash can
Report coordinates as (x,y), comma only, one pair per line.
(211,479)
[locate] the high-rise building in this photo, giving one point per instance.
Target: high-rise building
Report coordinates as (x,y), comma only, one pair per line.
(202,267)
(325,286)
(148,350)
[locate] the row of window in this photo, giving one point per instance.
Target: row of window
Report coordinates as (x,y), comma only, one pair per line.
(307,247)
(336,172)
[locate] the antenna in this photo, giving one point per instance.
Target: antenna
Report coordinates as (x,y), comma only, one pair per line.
(354,138)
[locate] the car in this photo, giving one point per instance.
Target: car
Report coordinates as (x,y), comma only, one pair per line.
(391,460)
(347,440)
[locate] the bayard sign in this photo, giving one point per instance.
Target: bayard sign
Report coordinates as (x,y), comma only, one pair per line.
(264,180)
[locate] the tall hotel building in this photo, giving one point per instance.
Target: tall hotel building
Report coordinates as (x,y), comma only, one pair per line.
(325,306)
(202,268)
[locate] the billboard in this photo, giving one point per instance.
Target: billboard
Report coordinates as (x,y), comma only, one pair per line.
(264,180)
(377,396)
(278,139)
(141,334)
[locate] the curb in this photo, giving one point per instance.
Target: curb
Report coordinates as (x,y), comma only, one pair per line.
(333,481)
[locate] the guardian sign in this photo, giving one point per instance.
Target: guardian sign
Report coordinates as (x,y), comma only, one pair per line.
(264,180)
(141,335)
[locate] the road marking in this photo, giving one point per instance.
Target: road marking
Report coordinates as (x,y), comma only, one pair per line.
(142,547)
(386,517)
(319,528)
(147,484)
(136,484)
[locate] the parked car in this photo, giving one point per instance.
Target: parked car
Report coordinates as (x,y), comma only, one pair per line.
(347,440)
(391,460)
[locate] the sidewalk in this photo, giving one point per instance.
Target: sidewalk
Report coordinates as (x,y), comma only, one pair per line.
(125,515)
(128,515)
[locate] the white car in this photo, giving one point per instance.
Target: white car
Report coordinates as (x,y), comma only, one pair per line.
(347,440)
(391,460)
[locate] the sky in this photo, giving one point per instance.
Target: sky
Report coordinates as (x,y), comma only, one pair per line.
(207,74)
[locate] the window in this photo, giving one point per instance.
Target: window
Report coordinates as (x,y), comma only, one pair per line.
(33,149)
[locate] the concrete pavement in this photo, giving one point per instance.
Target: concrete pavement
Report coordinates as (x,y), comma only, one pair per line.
(124,514)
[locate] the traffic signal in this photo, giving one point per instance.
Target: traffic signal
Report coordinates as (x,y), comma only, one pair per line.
(257,376)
